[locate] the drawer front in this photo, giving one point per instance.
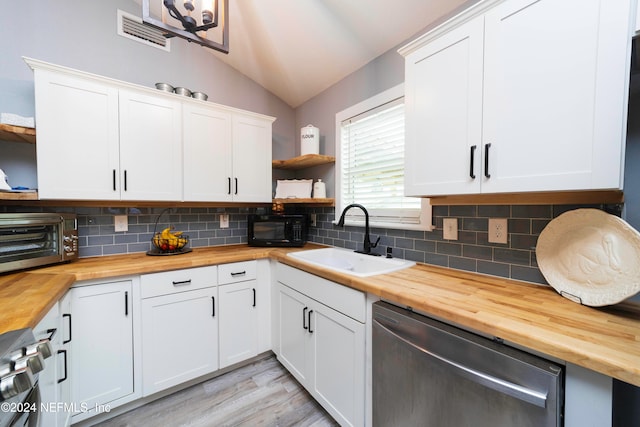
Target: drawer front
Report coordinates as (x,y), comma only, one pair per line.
(236,272)
(170,282)
(348,301)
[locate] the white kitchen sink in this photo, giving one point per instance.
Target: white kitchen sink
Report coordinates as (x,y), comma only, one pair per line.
(349,262)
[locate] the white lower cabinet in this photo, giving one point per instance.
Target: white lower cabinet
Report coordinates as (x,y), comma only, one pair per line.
(321,332)
(101,358)
(239,319)
(53,380)
(179,327)
(62,362)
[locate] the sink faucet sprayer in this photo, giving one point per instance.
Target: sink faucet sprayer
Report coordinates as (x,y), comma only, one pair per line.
(367,242)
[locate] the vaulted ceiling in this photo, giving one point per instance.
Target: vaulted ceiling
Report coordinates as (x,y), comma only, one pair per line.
(298,48)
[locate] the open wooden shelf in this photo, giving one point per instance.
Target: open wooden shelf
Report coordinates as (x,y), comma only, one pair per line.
(301,162)
(19,195)
(315,202)
(17,134)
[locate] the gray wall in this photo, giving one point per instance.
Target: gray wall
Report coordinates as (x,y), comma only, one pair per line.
(83,35)
(632,161)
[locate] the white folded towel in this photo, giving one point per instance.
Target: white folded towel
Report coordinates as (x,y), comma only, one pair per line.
(16,120)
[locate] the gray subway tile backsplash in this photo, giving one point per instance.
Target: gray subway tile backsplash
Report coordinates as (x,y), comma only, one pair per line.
(471,252)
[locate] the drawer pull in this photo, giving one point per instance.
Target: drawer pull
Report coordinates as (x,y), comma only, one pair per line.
(69,340)
(63,379)
(254,297)
(213,306)
(239,273)
(471,166)
(181,282)
(486,160)
(304,318)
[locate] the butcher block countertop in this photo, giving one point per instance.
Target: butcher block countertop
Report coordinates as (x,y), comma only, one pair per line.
(605,340)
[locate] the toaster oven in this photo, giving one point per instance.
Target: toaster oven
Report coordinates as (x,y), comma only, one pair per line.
(34,239)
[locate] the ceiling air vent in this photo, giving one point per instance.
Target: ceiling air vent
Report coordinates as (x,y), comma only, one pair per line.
(132,27)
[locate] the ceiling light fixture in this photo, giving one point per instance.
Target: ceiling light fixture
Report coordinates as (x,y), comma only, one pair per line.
(173,16)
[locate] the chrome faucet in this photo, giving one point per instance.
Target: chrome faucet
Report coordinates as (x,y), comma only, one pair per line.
(367,242)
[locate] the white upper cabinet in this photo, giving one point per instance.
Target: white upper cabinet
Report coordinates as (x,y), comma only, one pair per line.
(550,113)
(77,148)
(251,159)
(150,147)
(227,155)
(443,98)
(104,139)
(207,153)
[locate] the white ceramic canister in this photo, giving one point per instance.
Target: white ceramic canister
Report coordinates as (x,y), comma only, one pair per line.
(319,190)
(309,140)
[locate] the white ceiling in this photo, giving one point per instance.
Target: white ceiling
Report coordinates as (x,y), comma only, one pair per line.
(298,48)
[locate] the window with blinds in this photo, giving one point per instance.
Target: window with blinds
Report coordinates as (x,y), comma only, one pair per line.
(371,168)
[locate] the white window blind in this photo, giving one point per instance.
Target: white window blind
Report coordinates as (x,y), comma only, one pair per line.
(372,168)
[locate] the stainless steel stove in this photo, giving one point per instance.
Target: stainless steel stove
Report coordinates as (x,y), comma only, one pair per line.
(21,359)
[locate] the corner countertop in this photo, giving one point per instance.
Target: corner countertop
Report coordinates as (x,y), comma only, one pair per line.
(605,340)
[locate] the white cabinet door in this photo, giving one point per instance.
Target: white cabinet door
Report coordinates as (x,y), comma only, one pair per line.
(63,361)
(325,351)
(179,338)
(77,147)
(238,322)
(443,93)
(207,153)
(554,94)
(49,328)
(251,159)
(150,147)
(293,328)
(101,368)
(338,364)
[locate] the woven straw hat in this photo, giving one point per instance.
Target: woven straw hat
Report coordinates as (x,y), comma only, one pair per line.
(590,257)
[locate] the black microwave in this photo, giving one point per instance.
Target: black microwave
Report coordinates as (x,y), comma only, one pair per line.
(277,230)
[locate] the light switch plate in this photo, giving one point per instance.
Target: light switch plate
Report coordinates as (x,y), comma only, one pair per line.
(121,223)
(498,232)
(450,228)
(224,220)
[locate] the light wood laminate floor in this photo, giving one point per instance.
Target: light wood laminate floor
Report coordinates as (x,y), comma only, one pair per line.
(260,394)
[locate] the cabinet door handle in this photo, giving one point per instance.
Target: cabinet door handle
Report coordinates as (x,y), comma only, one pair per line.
(114,180)
(213,306)
(310,331)
(229,184)
(471,161)
(181,282)
(254,297)
(304,318)
(486,160)
(69,340)
(126,303)
(52,333)
(125,180)
(65,366)
(236,180)
(238,273)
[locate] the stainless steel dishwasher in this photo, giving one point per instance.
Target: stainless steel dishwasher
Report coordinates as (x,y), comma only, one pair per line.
(427,373)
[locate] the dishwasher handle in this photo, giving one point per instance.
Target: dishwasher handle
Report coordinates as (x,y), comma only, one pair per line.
(505,387)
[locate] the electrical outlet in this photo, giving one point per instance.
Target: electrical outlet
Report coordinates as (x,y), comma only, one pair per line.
(224,220)
(121,222)
(313,220)
(450,228)
(498,232)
